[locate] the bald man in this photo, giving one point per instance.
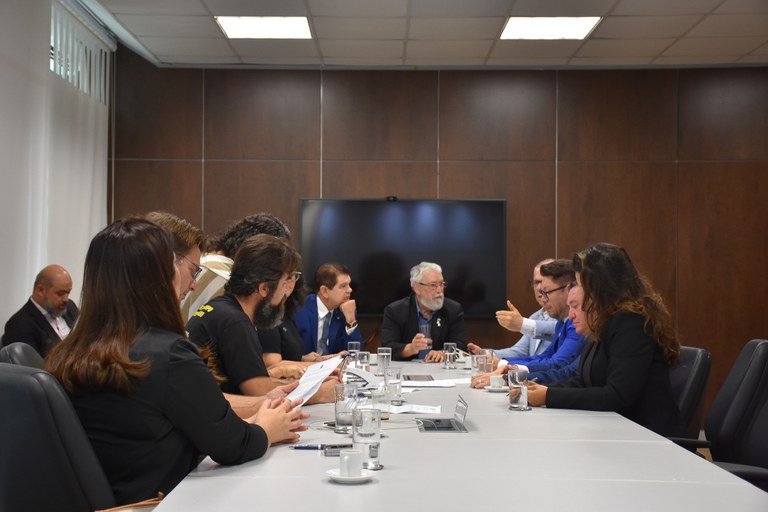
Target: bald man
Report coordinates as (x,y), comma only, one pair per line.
(48,315)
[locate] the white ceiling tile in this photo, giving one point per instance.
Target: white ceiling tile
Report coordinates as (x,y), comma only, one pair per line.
(289,48)
(459,8)
(640,27)
(732,25)
(534,49)
(170,26)
(742,7)
(187,46)
(360,49)
(359,28)
(693,46)
(180,7)
(456,28)
(359,8)
(562,7)
(624,48)
(448,49)
(664,7)
(260,8)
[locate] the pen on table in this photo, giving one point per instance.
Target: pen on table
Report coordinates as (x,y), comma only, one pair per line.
(307,446)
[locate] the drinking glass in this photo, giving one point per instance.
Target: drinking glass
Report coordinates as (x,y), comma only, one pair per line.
(366,435)
(353,347)
(364,360)
(518,390)
(478,363)
(394,382)
(426,330)
(380,399)
(449,351)
(383,358)
(345,401)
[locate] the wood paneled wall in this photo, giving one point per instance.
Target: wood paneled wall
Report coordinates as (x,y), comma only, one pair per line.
(672,164)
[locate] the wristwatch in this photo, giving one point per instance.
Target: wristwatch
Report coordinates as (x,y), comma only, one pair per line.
(351,324)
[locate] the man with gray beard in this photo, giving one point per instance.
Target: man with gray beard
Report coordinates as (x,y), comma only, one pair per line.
(262,272)
(419,325)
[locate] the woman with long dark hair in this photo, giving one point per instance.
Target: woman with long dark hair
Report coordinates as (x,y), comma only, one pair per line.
(625,367)
(149,404)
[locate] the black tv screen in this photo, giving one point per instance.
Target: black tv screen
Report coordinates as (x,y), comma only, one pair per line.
(380,240)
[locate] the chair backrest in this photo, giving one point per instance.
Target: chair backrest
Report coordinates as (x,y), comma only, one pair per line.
(737,421)
(689,384)
(21,353)
(47,462)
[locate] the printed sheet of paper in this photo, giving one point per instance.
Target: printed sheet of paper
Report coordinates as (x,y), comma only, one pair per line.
(312,379)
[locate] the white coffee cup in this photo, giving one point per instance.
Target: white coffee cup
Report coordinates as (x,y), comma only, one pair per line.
(497,381)
(350,462)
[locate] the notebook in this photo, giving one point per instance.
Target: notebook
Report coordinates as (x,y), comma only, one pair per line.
(455,424)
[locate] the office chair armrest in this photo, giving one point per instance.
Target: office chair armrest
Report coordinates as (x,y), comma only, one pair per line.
(690,444)
(752,474)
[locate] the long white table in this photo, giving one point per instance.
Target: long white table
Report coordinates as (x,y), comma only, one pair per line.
(543,459)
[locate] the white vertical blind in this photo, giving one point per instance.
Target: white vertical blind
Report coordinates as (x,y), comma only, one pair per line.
(54,97)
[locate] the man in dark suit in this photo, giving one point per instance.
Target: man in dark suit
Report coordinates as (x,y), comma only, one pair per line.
(48,315)
(406,321)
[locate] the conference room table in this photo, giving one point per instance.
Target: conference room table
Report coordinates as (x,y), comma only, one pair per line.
(542,459)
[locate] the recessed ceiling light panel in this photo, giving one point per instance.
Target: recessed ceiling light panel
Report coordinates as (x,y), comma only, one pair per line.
(549,28)
(269,27)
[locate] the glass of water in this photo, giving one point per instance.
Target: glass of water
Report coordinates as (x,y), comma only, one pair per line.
(366,435)
(345,401)
(383,358)
(353,347)
(449,351)
(394,382)
(518,390)
(364,360)
(426,330)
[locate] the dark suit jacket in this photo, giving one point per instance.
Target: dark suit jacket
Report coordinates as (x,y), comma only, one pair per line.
(28,325)
(306,323)
(625,372)
(401,324)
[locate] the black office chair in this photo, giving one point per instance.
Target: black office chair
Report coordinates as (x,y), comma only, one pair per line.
(737,421)
(689,385)
(22,354)
(47,462)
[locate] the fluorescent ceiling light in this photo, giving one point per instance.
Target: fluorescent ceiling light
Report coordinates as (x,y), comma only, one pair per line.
(549,28)
(268,27)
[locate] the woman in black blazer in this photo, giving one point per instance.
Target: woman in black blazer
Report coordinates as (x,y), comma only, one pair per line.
(625,367)
(148,402)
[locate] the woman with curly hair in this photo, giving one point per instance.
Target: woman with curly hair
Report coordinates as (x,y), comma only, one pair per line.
(633,344)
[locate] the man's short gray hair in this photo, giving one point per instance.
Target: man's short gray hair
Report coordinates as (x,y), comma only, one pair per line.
(417,272)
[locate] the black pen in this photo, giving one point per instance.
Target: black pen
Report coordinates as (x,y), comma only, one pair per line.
(320,446)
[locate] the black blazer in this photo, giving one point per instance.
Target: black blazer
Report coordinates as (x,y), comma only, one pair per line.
(625,372)
(401,324)
(28,325)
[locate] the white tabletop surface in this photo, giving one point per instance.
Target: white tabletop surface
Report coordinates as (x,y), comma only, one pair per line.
(543,459)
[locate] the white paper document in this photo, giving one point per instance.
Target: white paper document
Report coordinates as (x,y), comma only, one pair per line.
(421,409)
(445,383)
(312,379)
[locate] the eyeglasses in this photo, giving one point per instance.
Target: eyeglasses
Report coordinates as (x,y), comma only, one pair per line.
(435,286)
(196,269)
(545,293)
(294,277)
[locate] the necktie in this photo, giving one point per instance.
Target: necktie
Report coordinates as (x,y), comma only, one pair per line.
(322,343)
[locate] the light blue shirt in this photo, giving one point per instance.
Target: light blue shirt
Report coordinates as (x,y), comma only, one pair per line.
(535,341)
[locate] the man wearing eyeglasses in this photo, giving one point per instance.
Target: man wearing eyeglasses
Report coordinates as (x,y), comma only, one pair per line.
(417,326)
(556,278)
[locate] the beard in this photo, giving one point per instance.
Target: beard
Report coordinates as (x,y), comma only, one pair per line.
(433,304)
(267,315)
(53,311)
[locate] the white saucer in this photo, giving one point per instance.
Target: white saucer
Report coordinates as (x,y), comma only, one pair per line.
(336,476)
(502,389)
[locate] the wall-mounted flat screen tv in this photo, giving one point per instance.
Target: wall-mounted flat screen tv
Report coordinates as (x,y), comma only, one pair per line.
(380,240)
